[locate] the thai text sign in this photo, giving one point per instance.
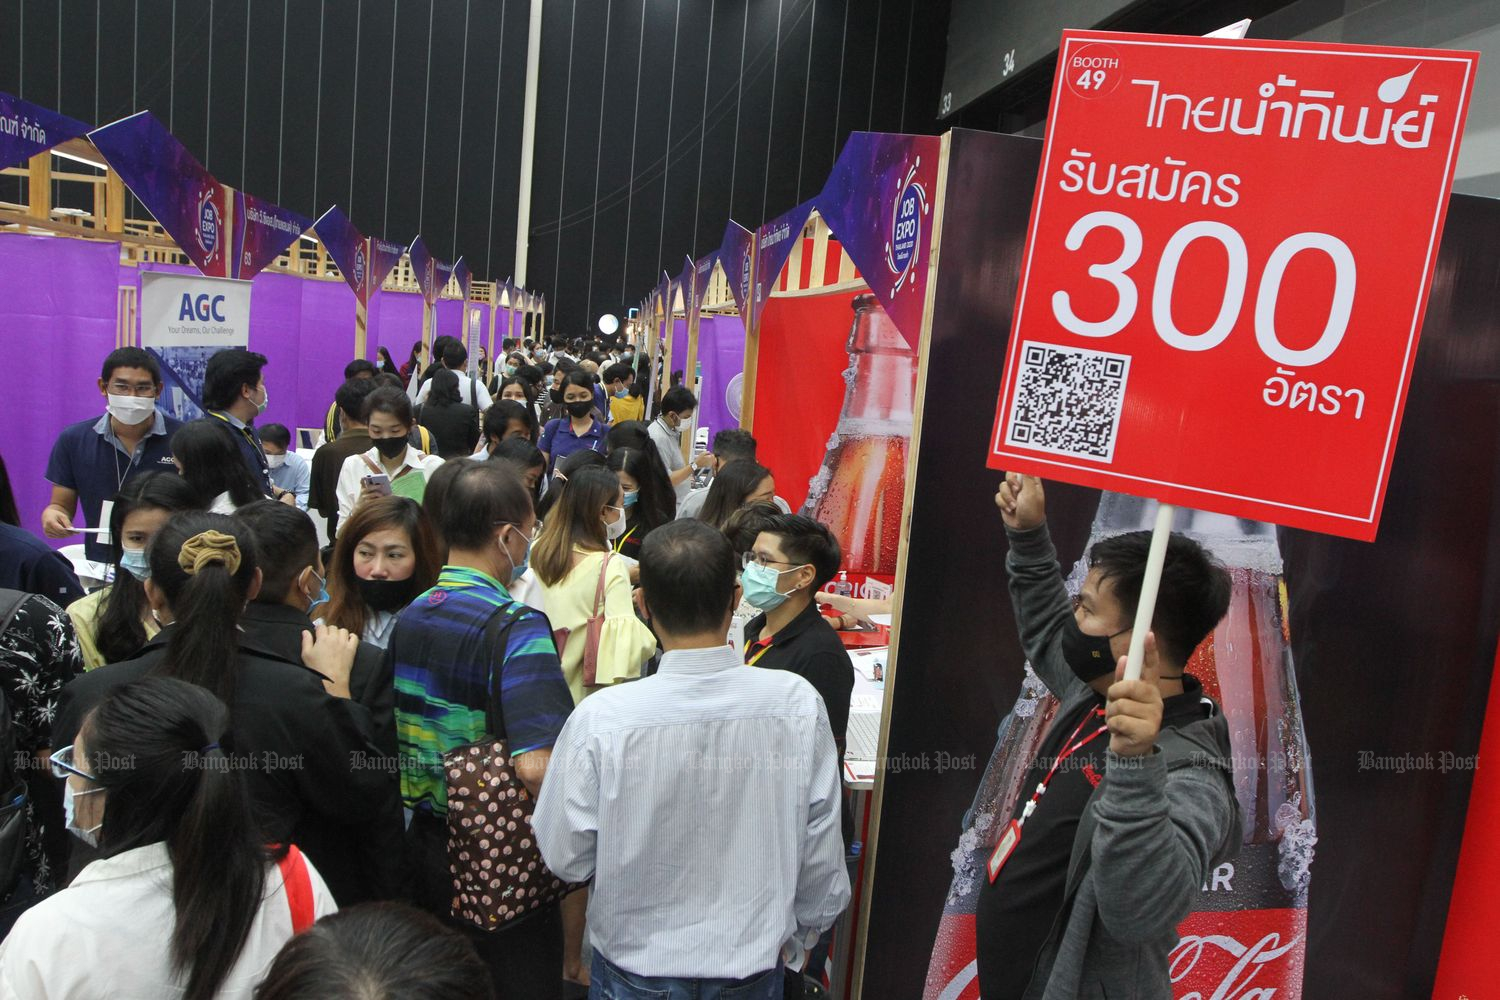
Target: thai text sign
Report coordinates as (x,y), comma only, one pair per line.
(1228,259)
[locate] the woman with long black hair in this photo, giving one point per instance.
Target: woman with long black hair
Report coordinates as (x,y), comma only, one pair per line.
(649,499)
(114,622)
(211,463)
(187,898)
(739,483)
(454,423)
(414,362)
(310,751)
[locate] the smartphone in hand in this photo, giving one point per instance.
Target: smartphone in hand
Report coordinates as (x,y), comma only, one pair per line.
(380,484)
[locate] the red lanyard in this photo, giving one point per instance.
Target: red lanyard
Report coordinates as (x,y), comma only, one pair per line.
(1008,841)
(758,649)
(1070,746)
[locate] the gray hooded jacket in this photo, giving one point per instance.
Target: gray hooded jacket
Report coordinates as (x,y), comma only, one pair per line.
(1152,831)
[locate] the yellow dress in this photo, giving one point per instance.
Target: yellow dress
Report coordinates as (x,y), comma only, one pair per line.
(627,408)
(625,643)
(85,615)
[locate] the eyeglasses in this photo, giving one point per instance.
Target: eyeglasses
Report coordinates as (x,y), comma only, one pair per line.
(129,389)
(63,765)
(750,557)
(536,529)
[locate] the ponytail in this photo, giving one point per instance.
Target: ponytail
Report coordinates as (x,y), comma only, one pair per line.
(204,565)
(154,746)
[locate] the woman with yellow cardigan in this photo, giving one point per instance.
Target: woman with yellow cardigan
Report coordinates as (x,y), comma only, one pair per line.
(574,561)
(579,571)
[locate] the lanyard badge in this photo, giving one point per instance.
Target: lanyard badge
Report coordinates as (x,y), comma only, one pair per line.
(1010,839)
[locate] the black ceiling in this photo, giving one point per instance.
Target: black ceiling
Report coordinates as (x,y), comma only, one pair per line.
(657,119)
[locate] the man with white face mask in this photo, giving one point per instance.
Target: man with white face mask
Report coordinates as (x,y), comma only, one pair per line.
(92,459)
(290,472)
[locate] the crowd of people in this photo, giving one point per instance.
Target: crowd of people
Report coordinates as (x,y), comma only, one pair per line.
(243,732)
(556,710)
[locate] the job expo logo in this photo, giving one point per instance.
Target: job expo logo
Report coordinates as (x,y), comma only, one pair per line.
(906,229)
(745,274)
(359,265)
(209,224)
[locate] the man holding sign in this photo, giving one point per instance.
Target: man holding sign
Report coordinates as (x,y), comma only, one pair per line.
(1106,852)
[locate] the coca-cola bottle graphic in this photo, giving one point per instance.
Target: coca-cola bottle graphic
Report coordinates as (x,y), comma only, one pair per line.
(859,491)
(1247,933)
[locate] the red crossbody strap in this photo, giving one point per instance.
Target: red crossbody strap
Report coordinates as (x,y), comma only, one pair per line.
(299,890)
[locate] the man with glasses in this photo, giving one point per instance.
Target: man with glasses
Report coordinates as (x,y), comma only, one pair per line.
(92,459)
(790,562)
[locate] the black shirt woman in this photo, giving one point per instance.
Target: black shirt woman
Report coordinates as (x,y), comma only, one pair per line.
(305,745)
(454,424)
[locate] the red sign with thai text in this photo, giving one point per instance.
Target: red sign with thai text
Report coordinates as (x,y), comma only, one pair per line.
(1228,259)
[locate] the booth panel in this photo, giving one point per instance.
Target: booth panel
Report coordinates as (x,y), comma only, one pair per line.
(1391,643)
(58,302)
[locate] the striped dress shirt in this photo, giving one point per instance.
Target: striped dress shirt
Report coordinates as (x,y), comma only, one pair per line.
(704,801)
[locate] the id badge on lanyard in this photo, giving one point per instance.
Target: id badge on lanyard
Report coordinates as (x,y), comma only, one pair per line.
(1010,839)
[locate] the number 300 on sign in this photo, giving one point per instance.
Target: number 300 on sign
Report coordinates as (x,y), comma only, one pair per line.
(1116,273)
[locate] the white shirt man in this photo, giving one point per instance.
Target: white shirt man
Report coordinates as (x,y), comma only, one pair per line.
(704,801)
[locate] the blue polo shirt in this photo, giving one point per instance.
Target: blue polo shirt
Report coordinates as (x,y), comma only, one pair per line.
(248,438)
(90,460)
(559,441)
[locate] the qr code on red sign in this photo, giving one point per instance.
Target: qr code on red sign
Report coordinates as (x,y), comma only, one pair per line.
(1067,401)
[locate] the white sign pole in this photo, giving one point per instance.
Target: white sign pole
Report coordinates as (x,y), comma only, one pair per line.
(1155,559)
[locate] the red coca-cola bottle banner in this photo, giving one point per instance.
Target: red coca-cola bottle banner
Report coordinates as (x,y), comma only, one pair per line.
(1210,313)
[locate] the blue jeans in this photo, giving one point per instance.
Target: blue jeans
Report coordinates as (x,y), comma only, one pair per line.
(612,983)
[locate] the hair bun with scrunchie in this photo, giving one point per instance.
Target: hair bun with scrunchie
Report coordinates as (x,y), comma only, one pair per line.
(208,548)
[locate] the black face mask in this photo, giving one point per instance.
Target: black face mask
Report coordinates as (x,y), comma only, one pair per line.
(390,447)
(582,408)
(1088,655)
(386,595)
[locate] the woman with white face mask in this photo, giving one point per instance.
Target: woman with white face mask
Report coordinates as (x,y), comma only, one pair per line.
(574,555)
(186,898)
(114,622)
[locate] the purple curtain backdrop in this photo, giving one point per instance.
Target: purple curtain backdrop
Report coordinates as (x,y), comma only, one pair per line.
(58,312)
(721,354)
(57,322)
(396,323)
(679,341)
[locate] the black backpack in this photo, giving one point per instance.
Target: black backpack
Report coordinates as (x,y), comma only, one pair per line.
(14,799)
